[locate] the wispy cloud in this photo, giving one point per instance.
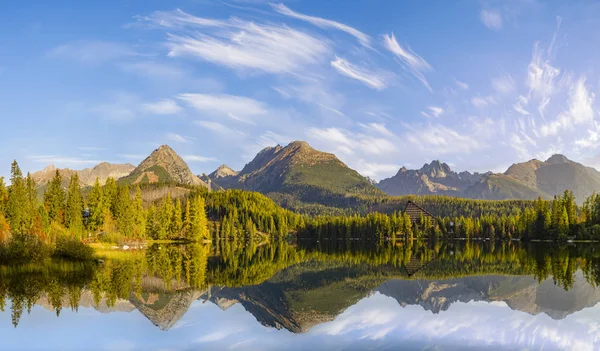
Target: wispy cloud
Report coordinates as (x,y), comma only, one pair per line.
(218,128)
(178,138)
(461,85)
(238,108)
(412,62)
(323,23)
(92,52)
(580,110)
(482,101)
(433,111)
(91,148)
(491,19)
(504,84)
(241,44)
(162,107)
(197,158)
(371,79)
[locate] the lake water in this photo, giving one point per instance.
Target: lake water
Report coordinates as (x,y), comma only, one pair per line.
(314,296)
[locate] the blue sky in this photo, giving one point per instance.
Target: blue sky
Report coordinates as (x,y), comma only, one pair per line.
(382,84)
(376,322)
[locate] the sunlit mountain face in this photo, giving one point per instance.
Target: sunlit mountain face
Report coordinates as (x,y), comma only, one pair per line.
(354,295)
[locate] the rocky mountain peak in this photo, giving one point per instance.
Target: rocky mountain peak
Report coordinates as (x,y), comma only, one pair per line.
(436,169)
(558,159)
(164,164)
(223,171)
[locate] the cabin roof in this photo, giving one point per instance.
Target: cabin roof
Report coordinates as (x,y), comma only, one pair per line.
(415,211)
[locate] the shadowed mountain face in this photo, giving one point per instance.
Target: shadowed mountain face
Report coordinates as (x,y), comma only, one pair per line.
(164,165)
(299,171)
(433,178)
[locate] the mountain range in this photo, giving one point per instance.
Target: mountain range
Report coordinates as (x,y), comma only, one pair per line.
(299,174)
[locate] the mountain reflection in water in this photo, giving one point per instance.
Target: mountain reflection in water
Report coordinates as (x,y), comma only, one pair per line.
(451,295)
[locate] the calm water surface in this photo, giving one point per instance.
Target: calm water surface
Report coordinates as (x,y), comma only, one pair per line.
(318,296)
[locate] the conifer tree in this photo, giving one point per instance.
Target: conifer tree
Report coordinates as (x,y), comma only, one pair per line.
(199,222)
(17,200)
(139,214)
(95,203)
(74,207)
(187,220)
(54,199)
(177,220)
(110,195)
(124,212)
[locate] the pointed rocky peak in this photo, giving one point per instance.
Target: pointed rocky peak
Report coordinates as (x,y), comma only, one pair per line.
(299,144)
(371,180)
(164,165)
(49,168)
(436,169)
(558,159)
(222,172)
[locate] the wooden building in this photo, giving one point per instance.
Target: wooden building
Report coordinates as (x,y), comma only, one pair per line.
(415,212)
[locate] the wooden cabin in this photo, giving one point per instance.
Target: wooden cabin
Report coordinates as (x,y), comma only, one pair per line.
(415,212)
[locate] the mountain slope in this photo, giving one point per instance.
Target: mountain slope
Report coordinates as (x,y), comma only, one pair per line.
(433,178)
(528,180)
(302,172)
(162,166)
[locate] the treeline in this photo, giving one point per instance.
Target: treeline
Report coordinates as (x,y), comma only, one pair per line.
(107,211)
(559,219)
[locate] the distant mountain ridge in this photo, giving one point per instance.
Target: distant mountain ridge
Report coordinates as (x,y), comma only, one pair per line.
(535,178)
(433,178)
(87,176)
(300,171)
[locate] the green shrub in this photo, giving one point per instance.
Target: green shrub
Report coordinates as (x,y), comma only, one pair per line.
(72,249)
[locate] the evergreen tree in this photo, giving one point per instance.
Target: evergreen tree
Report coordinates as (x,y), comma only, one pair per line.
(17,201)
(177,220)
(139,214)
(95,204)
(199,222)
(74,207)
(124,215)
(110,195)
(54,199)
(563,225)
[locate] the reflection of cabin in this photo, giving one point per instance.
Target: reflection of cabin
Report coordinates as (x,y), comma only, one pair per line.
(415,212)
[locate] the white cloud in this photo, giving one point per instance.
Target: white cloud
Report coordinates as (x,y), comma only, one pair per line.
(482,101)
(162,107)
(378,128)
(412,62)
(197,158)
(438,139)
(178,138)
(323,23)
(238,108)
(520,105)
(240,44)
(540,78)
(370,79)
(433,111)
(218,128)
(504,84)
(461,85)
(491,19)
(580,110)
(92,52)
